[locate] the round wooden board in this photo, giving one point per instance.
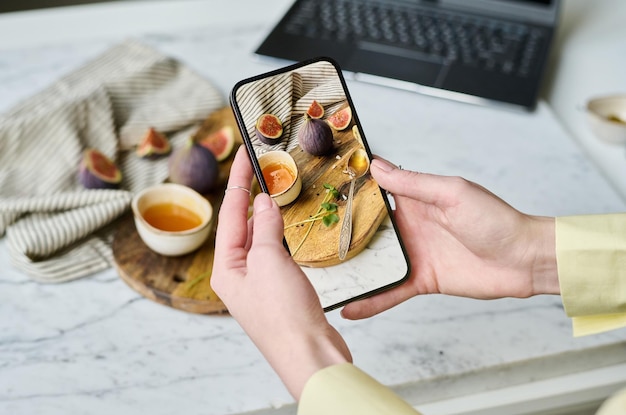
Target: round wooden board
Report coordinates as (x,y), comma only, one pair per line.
(179,282)
(321,245)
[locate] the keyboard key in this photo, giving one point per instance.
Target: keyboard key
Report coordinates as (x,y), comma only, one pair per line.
(497,46)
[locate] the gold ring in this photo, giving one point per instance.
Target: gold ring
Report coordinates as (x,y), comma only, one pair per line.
(238,187)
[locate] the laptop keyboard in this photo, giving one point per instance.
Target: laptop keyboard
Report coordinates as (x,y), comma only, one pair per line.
(434,35)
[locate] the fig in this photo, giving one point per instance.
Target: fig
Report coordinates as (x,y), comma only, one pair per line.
(97,171)
(315,136)
(315,110)
(194,166)
(340,119)
(269,129)
(154,144)
(220,142)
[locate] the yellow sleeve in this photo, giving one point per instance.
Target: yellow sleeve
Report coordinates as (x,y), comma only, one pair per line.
(615,405)
(591,261)
(345,389)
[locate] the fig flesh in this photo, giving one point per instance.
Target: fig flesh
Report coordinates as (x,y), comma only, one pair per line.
(315,136)
(269,129)
(340,120)
(153,144)
(194,166)
(315,110)
(97,171)
(220,142)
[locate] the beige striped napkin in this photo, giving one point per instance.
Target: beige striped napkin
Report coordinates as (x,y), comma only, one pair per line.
(56,230)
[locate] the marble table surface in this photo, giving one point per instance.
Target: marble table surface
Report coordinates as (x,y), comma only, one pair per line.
(589,62)
(95,346)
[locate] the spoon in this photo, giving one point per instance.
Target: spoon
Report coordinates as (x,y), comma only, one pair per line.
(358,164)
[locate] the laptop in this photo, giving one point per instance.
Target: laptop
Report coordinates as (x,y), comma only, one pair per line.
(478,51)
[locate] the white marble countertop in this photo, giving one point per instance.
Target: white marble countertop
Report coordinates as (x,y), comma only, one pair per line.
(95,346)
(589,63)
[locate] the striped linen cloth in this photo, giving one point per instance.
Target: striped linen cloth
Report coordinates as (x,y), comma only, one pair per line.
(55,229)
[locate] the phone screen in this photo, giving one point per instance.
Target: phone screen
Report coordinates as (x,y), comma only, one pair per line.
(309,153)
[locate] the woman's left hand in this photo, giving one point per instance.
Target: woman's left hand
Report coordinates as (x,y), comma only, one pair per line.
(265,290)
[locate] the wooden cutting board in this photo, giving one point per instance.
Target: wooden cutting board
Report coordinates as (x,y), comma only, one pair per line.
(321,245)
(180,282)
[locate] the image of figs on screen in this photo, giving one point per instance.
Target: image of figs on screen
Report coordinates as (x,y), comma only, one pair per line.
(309,155)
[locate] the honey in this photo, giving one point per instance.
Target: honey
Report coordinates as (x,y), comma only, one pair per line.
(359,163)
(171,217)
(278,177)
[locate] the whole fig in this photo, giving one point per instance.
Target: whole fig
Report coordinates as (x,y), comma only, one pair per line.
(315,136)
(194,166)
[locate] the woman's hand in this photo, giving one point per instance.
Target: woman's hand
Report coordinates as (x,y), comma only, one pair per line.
(265,290)
(462,240)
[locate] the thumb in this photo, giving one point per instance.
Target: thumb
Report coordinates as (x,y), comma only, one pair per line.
(393,179)
(428,188)
(268,223)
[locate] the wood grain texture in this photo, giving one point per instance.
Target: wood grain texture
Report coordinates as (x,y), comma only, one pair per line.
(321,246)
(179,282)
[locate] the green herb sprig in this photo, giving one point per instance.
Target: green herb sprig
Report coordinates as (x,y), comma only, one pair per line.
(327,213)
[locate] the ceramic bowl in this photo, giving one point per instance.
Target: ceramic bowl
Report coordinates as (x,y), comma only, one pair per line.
(607,118)
(153,209)
(283,159)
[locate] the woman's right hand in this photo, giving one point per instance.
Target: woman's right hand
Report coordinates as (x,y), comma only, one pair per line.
(462,240)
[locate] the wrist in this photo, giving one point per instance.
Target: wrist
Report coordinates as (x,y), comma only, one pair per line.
(545,278)
(307,355)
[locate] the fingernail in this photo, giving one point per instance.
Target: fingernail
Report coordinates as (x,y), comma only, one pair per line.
(262,202)
(383,165)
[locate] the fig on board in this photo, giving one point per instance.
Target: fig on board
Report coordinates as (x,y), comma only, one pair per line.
(220,142)
(193,166)
(315,136)
(340,120)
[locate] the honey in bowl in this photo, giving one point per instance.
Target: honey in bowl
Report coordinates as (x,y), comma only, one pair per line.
(278,177)
(171,217)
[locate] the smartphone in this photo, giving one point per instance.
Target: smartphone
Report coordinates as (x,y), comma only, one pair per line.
(309,153)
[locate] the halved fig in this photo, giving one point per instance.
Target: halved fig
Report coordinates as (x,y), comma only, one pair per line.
(153,144)
(315,111)
(220,142)
(97,171)
(269,129)
(340,120)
